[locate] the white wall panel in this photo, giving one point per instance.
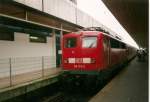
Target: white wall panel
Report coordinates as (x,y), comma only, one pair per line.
(37,4)
(20,65)
(72,13)
(69,12)
(79,17)
(83,19)
(26,56)
(51,7)
(61,9)
(89,22)
(96,23)
(26,64)
(4,67)
(20,1)
(21,47)
(49,62)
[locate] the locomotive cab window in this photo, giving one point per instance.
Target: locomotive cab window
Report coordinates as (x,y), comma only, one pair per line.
(70,42)
(89,42)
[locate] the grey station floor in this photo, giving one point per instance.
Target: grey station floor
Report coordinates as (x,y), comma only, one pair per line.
(130,85)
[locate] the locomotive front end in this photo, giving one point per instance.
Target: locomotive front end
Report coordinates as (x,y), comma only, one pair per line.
(81,52)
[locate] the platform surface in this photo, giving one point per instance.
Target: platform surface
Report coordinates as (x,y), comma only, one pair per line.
(130,85)
(28,77)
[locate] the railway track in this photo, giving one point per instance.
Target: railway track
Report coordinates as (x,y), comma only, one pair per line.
(59,97)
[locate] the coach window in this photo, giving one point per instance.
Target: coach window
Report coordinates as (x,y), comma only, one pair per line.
(38,38)
(71,42)
(89,42)
(6,35)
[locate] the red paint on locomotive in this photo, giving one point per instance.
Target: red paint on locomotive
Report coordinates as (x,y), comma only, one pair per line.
(92,51)
(82,55)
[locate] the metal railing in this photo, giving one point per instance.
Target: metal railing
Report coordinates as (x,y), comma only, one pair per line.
(22,69)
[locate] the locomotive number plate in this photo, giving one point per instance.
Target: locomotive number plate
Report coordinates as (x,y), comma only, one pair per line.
(79,66)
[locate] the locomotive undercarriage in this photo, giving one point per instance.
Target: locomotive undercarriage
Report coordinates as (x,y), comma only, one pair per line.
(89,80)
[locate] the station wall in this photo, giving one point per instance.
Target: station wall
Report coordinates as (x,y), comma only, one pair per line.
(26,56)
(37,4)
(63,9)
(22,47)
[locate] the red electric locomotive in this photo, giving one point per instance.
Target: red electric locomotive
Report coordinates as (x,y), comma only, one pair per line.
(93,53)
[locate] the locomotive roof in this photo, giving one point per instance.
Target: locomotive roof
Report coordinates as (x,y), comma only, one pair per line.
(92,33)
(97,31)
(79,33)
(100,29)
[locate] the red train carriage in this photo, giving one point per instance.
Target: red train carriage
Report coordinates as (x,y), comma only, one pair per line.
(87,53)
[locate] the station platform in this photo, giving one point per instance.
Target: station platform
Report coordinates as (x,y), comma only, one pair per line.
(27,82)
(130,85)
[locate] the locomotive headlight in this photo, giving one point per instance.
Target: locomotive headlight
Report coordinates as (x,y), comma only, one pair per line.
(86,60)
(89,60)
(93,60)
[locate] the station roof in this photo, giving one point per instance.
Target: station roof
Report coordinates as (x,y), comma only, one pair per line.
(133,15)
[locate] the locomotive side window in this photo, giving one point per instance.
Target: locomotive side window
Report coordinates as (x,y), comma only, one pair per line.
(123,46)
(89,42)
(114,43)
(70,42)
